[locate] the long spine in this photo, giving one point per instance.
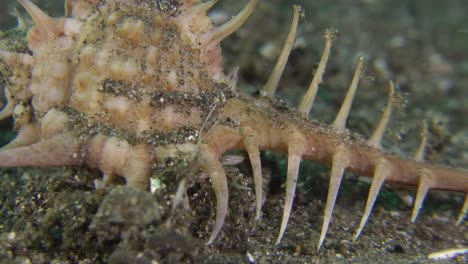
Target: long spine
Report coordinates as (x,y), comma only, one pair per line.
(334,145)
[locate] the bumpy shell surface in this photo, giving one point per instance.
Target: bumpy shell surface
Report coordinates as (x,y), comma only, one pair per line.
(120,74)
(123,85)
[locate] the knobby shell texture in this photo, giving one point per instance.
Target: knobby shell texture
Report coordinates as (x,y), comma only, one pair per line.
(112,87)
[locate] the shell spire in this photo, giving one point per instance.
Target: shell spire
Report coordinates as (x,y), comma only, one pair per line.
(46,27)
(60,150)
(339,124)
(232,25)
(308,101)
(423,186)
(296,149)
(250,141)
(272,84)
(212,166)
(27,134)
(376,138)
(341,160)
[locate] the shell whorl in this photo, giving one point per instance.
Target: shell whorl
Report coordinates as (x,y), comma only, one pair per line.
(117,86)
(138,53)
(148,71)
(122,85)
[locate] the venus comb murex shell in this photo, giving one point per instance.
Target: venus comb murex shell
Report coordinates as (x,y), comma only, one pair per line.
(122,85)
